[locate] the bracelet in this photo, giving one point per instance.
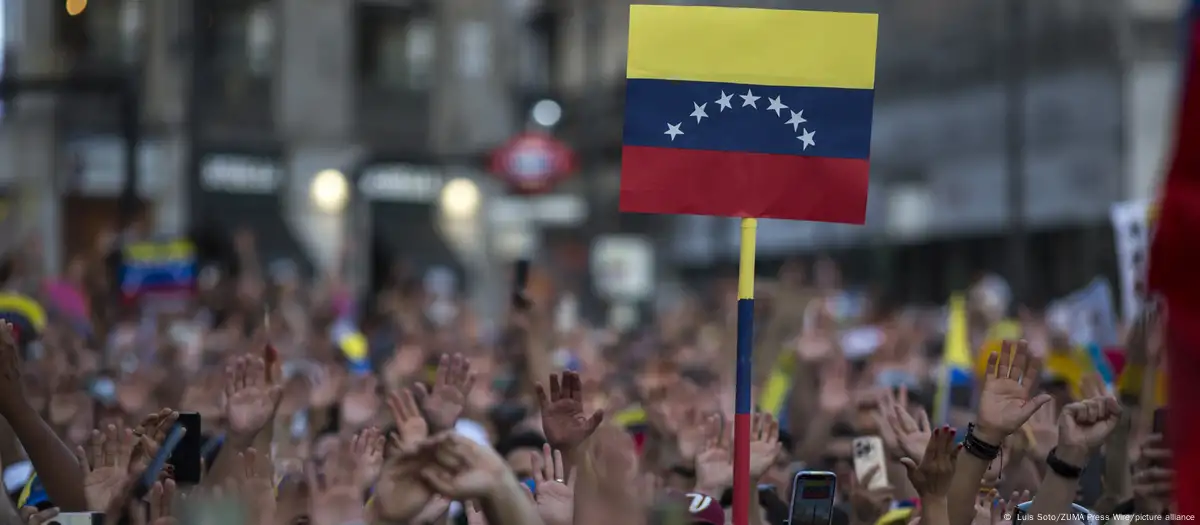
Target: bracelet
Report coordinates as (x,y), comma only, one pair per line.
(977,447)
(1062,468)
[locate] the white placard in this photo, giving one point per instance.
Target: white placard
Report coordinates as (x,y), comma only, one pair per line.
(623,267)
(1132,230)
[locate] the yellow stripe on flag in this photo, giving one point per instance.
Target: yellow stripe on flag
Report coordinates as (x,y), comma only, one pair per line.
(958,352)
(753,46)
(774,393)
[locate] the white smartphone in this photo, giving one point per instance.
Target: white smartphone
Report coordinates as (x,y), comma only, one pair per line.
(77,518)
(869,454)
(812,498)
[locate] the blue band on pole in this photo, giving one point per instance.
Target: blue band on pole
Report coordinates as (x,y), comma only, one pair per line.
(745,350)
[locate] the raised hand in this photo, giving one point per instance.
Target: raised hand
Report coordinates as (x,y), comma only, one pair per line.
(1044,427)
(161,498)
(834,394)
(555,489)
(409,422)
(335,497)
(105,464)
(367,447)
(1007,401)
(690,437)
(1001,510)
(1083,426)
(932,476)
(904,434)
(464,469)
(563,419)
(399,493)
(445,401)
(327,387)
(361,401)
(764,444)
(33,516)
(1153,485)
(12,392)
(868,504)
(714,463)
(256,487)
(149,434)
(250,400)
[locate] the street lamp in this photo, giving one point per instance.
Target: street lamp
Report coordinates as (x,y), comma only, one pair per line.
(460,199)
(329,191)
(546,113)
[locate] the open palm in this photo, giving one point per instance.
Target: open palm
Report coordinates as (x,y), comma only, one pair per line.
(563,419)
(1007,400)
(250,400)
(554,491)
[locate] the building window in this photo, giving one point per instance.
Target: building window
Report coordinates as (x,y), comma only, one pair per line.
(396,46)
(109,31)
(241,36)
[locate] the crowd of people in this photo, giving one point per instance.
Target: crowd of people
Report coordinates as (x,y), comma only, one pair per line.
(444,421)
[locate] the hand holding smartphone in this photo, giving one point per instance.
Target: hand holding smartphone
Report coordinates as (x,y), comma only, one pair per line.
(812,498)
(869,459)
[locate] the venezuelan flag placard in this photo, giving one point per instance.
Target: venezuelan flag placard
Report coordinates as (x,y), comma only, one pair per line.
(158,268)
(748,112)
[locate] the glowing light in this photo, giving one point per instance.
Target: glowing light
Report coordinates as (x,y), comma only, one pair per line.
(460,199)
(75,7)
(330,191)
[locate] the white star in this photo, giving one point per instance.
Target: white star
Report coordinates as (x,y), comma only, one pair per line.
(749,99)
(724,101)
(699,112)
(797,120)
(806,138)
(776,105)
(673,130)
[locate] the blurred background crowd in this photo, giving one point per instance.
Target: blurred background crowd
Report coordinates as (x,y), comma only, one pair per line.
(352,183)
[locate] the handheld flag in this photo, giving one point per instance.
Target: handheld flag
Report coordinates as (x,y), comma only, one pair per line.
(956,360)
(748,113)
(158,268)
(1174,256)
(28,318)
(782,104)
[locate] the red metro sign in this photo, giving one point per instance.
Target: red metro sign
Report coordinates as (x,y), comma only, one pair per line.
(533,163)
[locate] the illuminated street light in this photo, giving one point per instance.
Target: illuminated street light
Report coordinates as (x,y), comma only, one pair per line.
(546,113)
(460,199)
(75,7)
(330,191)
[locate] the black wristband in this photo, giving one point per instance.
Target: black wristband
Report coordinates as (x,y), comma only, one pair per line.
(1062,468)
(978,447)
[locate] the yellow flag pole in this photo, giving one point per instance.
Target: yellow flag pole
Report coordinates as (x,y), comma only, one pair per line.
(742,403)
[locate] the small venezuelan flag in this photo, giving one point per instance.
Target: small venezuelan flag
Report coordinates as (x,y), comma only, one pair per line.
(748,112)
(158,268)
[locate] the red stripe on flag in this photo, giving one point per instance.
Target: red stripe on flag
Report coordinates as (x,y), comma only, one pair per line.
(733,184)
(1174,255)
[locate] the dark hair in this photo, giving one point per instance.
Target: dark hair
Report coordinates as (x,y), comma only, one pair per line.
(520,440)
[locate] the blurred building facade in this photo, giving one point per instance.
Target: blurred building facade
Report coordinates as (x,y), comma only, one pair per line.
(245,101)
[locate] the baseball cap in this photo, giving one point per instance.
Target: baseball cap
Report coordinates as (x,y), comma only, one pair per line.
(701,508)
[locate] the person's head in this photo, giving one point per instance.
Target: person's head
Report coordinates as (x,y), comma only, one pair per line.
(519,449)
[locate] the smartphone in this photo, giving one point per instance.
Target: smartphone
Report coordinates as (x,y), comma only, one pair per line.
(1078,514)
(520,280)
(868,454)
(812,498)
(150,475)
(77,518)
(186,458)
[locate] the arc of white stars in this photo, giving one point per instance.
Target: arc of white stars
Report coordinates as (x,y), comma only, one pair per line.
(724,101)
(749,99)
(776,105)
(797,120)
(673,130)
(699,111)
(807,138)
